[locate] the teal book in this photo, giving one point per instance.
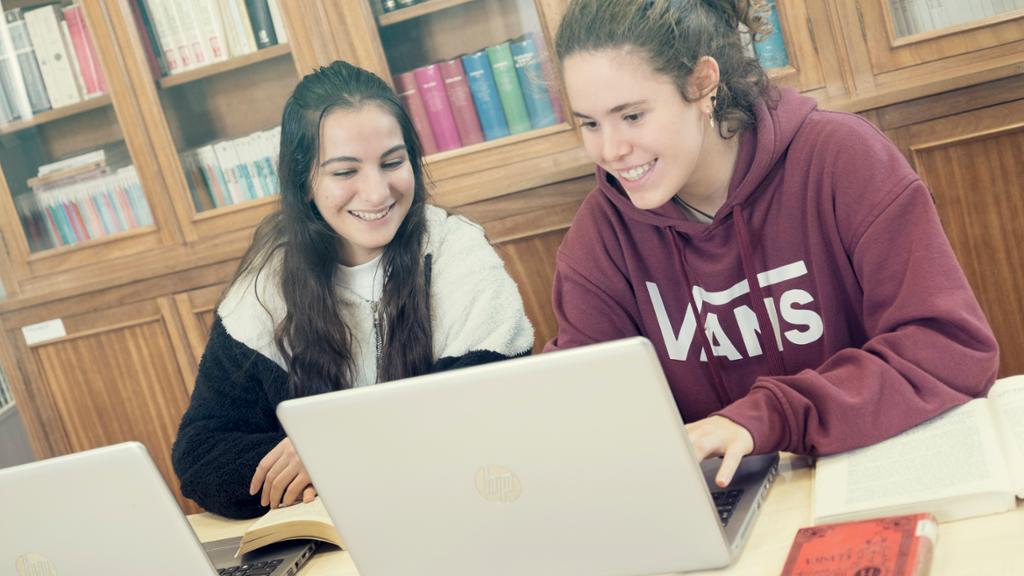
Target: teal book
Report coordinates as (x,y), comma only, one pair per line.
(485,95)
(511,94)
(532,82)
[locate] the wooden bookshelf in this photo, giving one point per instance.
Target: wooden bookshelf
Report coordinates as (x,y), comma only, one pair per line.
(418,10)
(56,114)
(276,51)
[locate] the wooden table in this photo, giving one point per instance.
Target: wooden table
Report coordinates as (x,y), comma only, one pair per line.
(989,546)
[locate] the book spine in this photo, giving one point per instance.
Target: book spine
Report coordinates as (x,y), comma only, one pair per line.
(439,111)
(485,95)
(148,37)
(511,94)
(531,80)
(899,17)
(54,60)
(246,23)
(27,62)
(81,46)
(461,100)
(170,39)
(405,85)
(211,29)
(235,28)
(771,51)
(550,76)
(278,21)
(16,96)
(189,29)
(262,23)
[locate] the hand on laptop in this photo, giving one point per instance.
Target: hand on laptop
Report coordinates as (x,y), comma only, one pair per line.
(282,478)
(719,436)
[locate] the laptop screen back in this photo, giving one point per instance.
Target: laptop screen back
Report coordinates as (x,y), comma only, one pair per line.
(574,462)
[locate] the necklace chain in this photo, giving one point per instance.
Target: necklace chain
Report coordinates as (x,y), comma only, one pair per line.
(685,204)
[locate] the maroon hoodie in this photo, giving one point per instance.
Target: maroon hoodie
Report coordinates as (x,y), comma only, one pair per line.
(822,308)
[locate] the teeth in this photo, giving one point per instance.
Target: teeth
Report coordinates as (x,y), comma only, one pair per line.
(371,216)
(636,173)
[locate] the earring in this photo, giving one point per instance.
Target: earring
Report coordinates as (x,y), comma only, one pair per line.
(711,119)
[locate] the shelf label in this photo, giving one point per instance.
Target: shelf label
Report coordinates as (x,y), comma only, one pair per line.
(43,331)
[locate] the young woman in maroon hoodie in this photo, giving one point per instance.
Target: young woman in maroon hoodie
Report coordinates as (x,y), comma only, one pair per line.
(786,262)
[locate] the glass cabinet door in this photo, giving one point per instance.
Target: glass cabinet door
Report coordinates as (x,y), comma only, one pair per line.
(788,54)
(71,190)
(470,71)
(904,33)
(221,73)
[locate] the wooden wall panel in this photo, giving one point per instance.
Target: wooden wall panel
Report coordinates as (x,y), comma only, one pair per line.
(978,183)
(531,263)
(118,384)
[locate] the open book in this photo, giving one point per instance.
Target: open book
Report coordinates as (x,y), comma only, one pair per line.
(966,462)
(298,521)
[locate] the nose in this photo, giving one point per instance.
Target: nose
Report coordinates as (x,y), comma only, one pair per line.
(613,146)
(376,188)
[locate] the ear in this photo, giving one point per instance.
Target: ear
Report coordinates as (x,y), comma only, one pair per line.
(703,83)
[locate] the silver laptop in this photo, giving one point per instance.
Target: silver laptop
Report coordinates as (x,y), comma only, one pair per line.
(108,511)
(573,462)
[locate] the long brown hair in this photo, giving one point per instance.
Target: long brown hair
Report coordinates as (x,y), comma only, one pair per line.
(313,337)
(673,35)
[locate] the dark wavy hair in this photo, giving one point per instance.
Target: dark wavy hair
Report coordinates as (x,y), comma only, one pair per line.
(673,35)
(313,337)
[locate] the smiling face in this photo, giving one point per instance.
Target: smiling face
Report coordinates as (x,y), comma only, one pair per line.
(635,124)
(363,183)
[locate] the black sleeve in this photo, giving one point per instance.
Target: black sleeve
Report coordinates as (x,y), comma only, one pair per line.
(472,358)
(229,426)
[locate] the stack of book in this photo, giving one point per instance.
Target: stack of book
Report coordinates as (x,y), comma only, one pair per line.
(186,35)
(47,60)
(497,91)
(918,16)
(232,171)
(80,199)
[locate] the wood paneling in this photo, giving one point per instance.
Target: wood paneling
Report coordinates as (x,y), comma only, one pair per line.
(972,164)
(531,263)
(115,378)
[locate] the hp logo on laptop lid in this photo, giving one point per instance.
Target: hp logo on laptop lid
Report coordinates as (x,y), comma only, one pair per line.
(498,484)
(34,565)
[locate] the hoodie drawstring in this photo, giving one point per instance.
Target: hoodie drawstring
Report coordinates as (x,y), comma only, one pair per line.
(713,366)
(776,362)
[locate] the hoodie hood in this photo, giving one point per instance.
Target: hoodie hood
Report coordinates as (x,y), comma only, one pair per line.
(761,149)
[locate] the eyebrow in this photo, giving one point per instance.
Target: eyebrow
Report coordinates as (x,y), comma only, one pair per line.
(387,153)
(614,110)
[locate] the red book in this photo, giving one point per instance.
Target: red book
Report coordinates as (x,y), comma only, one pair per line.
(461,99)
(439,110)
(85,51)
(893,546)
(550,77)
(405,84)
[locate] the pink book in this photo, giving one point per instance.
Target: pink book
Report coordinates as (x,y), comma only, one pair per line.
(85,51)
(550,78)
(461,99)
(405,83)
(439,111)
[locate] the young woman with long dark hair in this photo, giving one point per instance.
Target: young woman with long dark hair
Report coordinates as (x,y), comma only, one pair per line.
(355,280)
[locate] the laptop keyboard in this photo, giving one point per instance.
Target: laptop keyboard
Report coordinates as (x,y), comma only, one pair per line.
(254,569)
(725,502)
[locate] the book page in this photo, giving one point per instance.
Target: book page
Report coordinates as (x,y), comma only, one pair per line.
(948,457)
(1007,403)
(303,520)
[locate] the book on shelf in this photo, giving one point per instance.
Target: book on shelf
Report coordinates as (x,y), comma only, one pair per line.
(966,462)
(232,171)
(509,91)
(15,103)
(206,18)
(485,94)
(463,110)
(55,60)
(893,546)
(236,21)
(28,65)
(405,85)
(550,77)
(439,111)
(771,50)
(184,18)
(278,21)
(84,49)
(302,521)
(148,38)
(262,23)
(531,81)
